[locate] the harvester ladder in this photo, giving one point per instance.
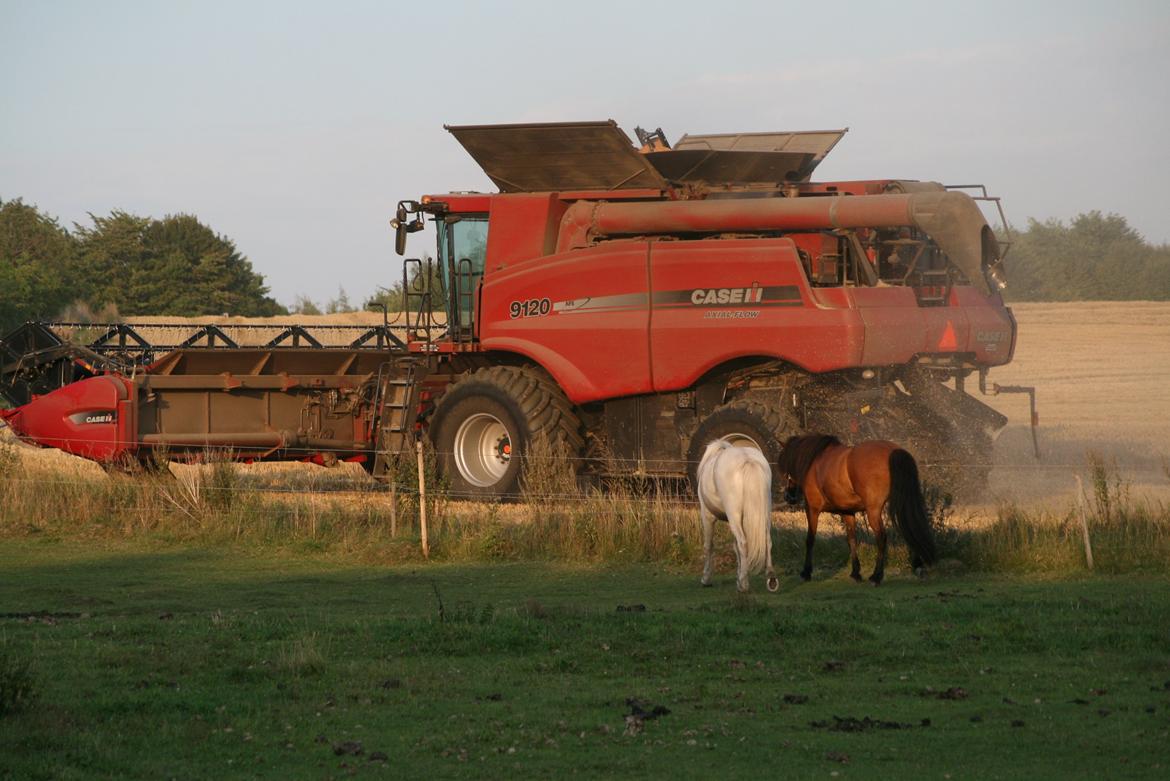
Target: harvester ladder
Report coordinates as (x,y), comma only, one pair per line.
(398,400)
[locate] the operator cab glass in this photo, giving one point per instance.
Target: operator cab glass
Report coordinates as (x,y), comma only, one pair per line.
(462,252)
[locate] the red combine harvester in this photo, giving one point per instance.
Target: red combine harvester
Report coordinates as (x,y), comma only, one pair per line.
(626,306)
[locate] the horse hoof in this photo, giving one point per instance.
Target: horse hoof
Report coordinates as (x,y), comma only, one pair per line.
(920,573)
(773,584)
(806,575)
(875,579)
(705,584)
(856,576)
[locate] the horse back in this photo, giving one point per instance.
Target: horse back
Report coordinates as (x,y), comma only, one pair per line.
(869,467)
(848,479)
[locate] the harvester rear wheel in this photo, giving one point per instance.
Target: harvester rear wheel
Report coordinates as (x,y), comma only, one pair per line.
(487,423)
(743,423)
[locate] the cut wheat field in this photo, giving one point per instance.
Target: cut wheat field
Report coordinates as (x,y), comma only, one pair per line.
(1102,374)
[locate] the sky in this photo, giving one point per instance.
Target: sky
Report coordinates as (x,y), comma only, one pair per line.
(293,128)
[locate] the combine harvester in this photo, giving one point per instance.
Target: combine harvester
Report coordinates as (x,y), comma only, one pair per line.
(625,305)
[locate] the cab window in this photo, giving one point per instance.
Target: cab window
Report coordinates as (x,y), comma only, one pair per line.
(462,252)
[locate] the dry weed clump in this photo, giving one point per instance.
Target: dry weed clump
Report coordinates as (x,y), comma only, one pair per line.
(302,657)
(619,519)
(212,502)
(557,519)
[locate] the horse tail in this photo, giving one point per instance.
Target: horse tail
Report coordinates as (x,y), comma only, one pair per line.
(757,511)
(908,508)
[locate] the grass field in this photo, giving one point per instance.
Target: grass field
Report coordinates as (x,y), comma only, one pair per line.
(206,664)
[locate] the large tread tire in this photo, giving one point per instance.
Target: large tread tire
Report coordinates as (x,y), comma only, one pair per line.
(766,427)
(528,405)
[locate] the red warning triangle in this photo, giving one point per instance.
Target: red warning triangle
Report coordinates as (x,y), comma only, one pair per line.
(948,340)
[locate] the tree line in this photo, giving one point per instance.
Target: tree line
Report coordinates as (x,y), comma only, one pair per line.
(1095,256)
(125,265)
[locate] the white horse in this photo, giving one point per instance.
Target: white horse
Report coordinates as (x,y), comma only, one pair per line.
(735,485)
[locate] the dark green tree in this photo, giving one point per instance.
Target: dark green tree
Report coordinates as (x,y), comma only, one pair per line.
(174,266)
(37,265)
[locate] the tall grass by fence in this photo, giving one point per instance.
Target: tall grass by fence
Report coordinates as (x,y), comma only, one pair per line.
(1126,533)
(220,503)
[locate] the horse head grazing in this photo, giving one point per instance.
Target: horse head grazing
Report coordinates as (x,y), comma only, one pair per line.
(797,457)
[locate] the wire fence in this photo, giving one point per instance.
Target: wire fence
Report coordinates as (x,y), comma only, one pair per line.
(604,468)
(214,452)
(370,488)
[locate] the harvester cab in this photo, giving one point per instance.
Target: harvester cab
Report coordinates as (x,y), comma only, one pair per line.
(448,282)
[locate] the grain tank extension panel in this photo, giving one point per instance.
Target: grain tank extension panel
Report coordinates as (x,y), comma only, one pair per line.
(560,157)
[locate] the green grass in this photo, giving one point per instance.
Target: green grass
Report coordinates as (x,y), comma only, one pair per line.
(215,663)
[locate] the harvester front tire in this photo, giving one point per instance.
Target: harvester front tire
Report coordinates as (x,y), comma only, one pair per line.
(487,422)
(742,423)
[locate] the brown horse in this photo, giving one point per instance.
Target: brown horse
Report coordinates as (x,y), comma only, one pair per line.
(865,478)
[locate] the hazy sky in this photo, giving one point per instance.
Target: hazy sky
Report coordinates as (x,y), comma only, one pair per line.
(294,128)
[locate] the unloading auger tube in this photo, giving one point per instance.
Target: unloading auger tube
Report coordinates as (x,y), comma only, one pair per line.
(952,219)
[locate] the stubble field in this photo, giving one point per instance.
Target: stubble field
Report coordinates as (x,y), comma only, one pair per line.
(1102,373)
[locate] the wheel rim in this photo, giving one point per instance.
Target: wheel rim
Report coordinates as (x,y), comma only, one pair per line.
(736,439)
(483,450)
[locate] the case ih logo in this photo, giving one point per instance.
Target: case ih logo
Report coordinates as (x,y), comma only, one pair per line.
(755,296)
(92,417)
(727,295)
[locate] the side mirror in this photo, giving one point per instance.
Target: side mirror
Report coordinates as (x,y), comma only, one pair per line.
(399,237)
(403,225)
(399,223)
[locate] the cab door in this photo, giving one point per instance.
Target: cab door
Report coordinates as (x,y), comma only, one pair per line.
(462,250)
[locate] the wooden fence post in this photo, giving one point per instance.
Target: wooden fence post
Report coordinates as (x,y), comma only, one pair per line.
(1084,522)
(394,504)
(422,500)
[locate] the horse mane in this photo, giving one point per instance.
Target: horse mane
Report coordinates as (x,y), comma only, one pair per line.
(799,452)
